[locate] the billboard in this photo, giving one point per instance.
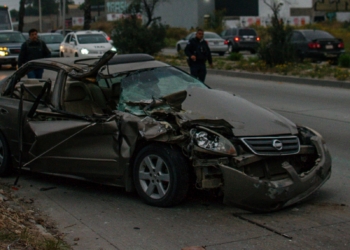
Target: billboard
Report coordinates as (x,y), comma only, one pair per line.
(332,5)
(266,21)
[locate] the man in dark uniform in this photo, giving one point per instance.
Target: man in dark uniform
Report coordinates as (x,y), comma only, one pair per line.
(198,53)
(32,49)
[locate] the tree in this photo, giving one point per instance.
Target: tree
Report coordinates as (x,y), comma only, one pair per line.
(278,49)
(21,15)
(87,14)
(14,14)
(148,7)
(130,36)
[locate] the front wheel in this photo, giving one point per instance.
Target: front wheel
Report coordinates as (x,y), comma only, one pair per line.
(161,175)
(4,157)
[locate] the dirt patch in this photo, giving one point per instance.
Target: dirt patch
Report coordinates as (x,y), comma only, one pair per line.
(22,226)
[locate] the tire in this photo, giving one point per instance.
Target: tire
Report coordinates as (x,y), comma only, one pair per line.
(178,48)
(13,65)
(161,175)
(221,53)
(76,55)
(230,49)
(62,55)
(5,168)
(253,51)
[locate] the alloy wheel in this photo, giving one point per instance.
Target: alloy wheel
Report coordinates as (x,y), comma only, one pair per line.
(154,176)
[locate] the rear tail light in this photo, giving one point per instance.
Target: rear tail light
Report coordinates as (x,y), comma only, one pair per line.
(314,45)
(226,42)
(236,39)
(258,39)
(341,45)
(108,38)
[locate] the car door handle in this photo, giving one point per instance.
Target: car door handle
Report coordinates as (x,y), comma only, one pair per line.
(3,111)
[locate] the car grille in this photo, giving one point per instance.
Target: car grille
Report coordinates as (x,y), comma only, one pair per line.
(279,145)
(15,51)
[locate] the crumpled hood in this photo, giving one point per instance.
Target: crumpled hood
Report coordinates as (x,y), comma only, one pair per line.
(246,118)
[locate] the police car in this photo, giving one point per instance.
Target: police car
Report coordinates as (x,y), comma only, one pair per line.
(85,44)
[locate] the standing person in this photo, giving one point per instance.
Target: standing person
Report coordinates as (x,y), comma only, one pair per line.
(32,49)
(198,53)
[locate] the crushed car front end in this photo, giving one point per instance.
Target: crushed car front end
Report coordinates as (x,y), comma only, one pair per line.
(269,179)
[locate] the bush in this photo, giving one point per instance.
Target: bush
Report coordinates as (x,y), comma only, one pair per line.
(176,33)
(130,36)
(344,61)
(234,56)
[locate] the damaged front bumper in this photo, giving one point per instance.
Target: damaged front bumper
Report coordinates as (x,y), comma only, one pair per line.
(269,195)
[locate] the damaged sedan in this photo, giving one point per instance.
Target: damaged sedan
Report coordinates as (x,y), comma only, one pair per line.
(135,122)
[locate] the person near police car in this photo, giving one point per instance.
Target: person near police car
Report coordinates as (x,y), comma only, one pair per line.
(198,53)
(32,49)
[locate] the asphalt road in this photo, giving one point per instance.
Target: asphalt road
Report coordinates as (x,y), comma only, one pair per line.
(101,217)
(172,52)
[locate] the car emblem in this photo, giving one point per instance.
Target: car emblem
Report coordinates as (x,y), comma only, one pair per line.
(277,145)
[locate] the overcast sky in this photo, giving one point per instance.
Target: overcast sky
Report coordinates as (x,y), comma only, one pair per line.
(14,4)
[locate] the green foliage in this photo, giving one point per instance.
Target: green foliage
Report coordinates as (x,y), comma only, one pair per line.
(130,36)
(278,49)
(215,22)
(176,33)
(14,14)
(234,56)
(344,61)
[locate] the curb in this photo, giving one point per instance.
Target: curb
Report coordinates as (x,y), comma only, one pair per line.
(278,78)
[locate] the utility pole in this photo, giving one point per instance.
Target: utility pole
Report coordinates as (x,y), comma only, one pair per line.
(40,18)
(64,18)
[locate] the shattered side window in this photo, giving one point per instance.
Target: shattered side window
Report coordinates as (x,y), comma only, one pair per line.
(155,83)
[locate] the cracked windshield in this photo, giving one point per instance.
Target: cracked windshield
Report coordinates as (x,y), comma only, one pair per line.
(139,86)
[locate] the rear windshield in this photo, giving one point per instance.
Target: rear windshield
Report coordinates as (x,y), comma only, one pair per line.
(51,38)
(316,34)
(91,38)
(246,32)
(211,35)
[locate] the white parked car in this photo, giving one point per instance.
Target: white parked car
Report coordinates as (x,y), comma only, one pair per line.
(85,44)
(215,42)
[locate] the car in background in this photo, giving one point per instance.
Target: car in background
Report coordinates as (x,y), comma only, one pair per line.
(135,122)
(53,42)
(215,42)
(26,35)
(241,39)
(66,31)
(10,46)
(85,44)
(316,44)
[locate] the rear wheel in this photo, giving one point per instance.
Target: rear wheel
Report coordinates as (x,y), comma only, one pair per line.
(230,48)
(161,175)
(4,157)
(178,48)
(221,53)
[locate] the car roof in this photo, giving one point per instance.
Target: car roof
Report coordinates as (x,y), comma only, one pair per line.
(50,34)
(9,31)
(313,34)
(131,62)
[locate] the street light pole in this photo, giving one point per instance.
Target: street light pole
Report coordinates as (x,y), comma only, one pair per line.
(64,18)
(40,18)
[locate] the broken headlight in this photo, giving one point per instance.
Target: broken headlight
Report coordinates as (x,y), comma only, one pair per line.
(212,141)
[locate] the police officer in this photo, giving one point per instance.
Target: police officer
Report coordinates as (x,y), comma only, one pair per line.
(32,49)
(198,53)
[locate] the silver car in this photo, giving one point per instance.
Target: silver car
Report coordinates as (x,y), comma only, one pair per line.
(53,41)
(215,42)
